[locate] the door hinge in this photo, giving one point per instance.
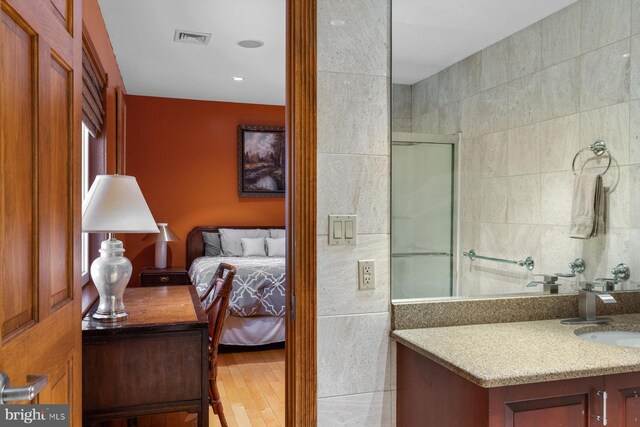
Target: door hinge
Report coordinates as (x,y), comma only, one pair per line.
(293,306)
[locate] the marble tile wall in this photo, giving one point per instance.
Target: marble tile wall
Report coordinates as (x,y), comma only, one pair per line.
(356,378)
(401,105)
(525,106)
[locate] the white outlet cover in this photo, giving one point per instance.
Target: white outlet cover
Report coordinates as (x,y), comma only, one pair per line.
(366,275)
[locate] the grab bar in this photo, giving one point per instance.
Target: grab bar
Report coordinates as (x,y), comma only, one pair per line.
(528,262)
(410,254)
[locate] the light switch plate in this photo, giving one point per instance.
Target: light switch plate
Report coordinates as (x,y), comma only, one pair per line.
(342,230)
(366,274)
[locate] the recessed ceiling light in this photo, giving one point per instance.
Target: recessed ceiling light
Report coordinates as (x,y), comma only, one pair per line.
(338,22)
(626,55)
(238,78)
(251,44)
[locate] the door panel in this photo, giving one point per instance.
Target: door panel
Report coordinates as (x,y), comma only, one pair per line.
(64,9)
(17,68)
(55,216)
(61,385)
(623,399)
(558,412)
(40,51)
(551,404)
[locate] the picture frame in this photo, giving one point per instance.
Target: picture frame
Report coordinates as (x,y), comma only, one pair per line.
(261,161)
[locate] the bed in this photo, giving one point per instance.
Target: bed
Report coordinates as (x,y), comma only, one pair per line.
(257,305)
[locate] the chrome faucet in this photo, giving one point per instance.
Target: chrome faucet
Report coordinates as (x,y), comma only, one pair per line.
(587,306)
(620,274)
(608,284)
(548,282)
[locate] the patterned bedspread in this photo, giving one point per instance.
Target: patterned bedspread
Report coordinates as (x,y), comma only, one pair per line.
(258,288)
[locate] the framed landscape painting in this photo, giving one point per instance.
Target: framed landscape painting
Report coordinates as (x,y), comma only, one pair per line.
(261,161)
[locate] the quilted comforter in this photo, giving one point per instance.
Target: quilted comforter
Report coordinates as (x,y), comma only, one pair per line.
(258,287)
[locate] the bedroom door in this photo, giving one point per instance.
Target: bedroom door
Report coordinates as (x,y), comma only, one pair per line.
(40,76)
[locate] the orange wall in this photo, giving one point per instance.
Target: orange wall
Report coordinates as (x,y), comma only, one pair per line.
(94,23)
(184,155)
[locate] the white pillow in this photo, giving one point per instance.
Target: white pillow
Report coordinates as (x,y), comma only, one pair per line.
(230,239)
(276,247)
(277,233)
(253,246)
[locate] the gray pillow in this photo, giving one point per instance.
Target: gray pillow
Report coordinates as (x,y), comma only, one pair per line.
(276,247)
(277,233)
(253,247)
(212,246)
(231,239)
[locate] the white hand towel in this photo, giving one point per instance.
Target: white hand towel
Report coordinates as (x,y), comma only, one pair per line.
(587,207)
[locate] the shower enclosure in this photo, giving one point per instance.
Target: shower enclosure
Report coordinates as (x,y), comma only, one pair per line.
(423,215)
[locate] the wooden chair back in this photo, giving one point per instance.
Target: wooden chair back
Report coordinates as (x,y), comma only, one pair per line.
(212,283)
(216,309)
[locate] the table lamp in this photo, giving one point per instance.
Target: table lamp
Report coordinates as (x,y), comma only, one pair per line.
(114,204)
(165,235)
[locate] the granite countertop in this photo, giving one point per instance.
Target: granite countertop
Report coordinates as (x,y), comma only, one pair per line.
(504,354)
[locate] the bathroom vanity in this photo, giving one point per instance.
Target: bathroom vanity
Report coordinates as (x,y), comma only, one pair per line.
(537,373)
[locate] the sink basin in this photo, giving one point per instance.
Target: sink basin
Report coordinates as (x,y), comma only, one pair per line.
(621,338)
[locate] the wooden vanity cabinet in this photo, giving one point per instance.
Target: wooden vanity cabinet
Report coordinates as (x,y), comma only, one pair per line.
(623,399)
(431,395)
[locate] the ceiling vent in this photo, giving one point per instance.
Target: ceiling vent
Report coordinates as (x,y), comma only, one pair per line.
(191,37)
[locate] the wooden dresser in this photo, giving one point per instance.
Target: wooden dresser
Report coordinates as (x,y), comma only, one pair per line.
(152,366)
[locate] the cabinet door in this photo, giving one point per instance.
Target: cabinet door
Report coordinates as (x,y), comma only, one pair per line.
(553,404)
(623,399)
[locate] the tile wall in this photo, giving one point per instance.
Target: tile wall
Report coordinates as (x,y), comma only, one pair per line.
(355,368)
(525,106)
(401,108)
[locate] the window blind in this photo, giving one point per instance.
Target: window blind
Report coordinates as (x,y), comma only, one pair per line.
(93,84)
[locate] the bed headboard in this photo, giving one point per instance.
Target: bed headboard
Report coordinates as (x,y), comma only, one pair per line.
(195,244)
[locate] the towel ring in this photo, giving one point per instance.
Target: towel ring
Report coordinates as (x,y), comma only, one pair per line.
(598,148)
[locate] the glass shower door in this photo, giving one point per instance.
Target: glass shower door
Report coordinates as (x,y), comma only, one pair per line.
(421,219)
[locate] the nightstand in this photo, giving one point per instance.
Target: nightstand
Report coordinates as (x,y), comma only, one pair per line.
(151,276)
(152,365)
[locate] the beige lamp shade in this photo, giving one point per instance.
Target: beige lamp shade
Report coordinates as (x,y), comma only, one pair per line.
(165,235)
(115,204)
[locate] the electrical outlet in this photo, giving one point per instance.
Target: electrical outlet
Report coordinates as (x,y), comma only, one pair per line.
(366,275)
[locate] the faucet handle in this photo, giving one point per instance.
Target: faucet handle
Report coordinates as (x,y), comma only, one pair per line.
(577,266)
(621,272)
(566,275)
(548,278)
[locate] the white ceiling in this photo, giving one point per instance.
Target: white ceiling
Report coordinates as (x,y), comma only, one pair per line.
(427,36)
(430,35)
(152,64)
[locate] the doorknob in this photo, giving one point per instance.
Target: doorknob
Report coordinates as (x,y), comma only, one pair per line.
(27,392)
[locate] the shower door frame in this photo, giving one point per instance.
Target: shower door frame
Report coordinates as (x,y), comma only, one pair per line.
(456,141)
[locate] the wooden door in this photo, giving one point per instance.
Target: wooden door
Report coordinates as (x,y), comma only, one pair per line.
(623,399)
(40,72)
(570,403)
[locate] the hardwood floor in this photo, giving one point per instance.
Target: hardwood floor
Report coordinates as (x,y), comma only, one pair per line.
(252,389)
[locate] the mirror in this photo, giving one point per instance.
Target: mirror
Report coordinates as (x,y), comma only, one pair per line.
(491,102)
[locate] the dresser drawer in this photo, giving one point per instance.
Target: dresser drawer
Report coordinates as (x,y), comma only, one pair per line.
(163,277)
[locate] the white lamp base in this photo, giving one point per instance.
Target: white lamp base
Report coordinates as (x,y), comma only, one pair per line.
(111,273)
(161,254)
